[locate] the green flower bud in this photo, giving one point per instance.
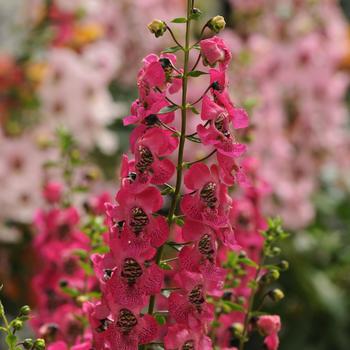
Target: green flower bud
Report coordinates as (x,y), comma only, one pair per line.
(217,24)
(39,344)
(276,251)
(237,329)
(284,265)
(17,325)
(270,277)
(196,13)
(276,294)
(27,343)
(25,310)
(157,27)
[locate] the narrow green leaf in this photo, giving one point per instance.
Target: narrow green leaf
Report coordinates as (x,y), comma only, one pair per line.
(168,109)
(194,110)
(179,20)
(196,73)
(171,49)
(87,268)
(248,262)
(229,306)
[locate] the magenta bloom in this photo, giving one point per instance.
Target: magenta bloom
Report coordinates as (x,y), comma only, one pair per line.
(133,216)
(219,132)
(221,96)
(270,325)
(188,306)
(149,149)
(126,277)
(214,50)
(180,337)
(208,203)
(124,329)
(129,329)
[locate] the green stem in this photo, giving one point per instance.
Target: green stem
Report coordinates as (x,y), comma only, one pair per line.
(201,160)
(177,196)
(243,339)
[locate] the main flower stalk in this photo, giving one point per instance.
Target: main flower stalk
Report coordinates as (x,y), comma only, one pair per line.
(179,167)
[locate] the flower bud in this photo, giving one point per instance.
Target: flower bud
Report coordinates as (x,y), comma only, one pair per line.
(39,344)
(27,343)
(25,310)
(276,294)
(157,27)
(17,325)
(196,13)
(237,329)
(276,251)
(217,23)
(283,265)
(270,277)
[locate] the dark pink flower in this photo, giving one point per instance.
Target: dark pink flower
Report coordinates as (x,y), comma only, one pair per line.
(219,132)
(269,324)
(59,345)
(149,149)
(209,201)
(133,217)
(52,192)
(129,330)
(230,172)
(180,337)
(131,279)
(146,111)
(188,306)
(215,50)
(221,96)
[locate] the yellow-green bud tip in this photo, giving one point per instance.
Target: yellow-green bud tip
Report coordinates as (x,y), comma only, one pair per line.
(157,27)
(237,329)
(17,324)
(217,24)
(25,310)
(39,344)
(276,294)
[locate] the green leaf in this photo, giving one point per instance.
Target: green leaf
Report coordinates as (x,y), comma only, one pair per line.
(93,294)
(101,249)
(248,262)
(81,253)
(72,292)
(196,73)
(194,110)
(168,109)
(196,47)
(86,267)
(171,49)
(229,306)
(179,20)
(179,220)
(165,266)
(11,341)
(161,319)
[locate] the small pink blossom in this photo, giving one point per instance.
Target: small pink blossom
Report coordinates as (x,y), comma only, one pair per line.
(215,50)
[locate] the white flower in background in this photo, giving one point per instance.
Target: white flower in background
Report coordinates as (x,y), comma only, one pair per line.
(75,93)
